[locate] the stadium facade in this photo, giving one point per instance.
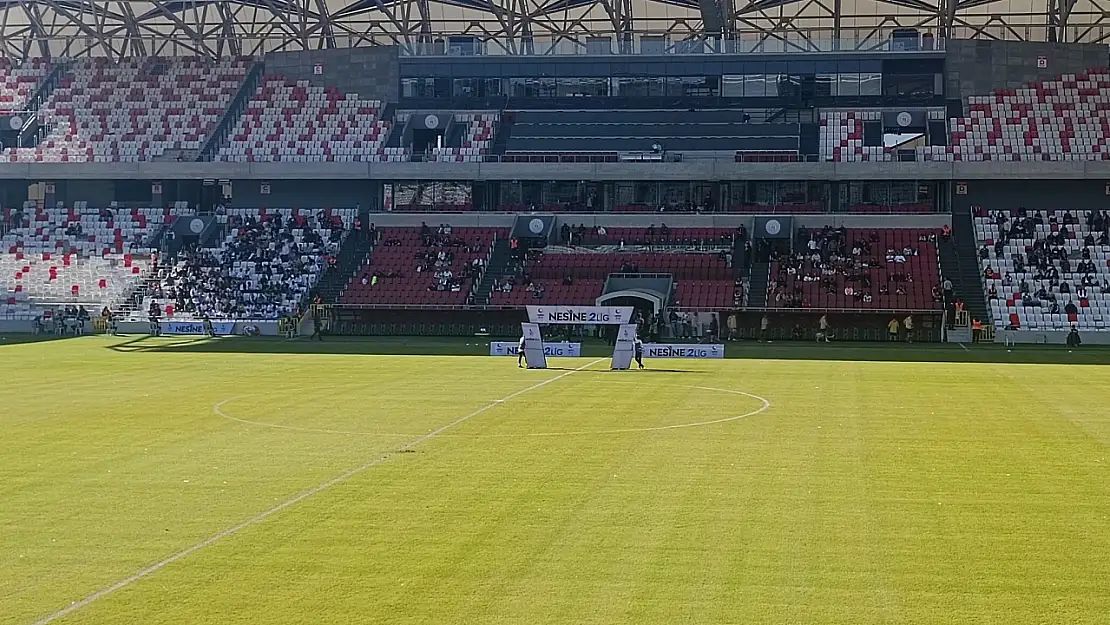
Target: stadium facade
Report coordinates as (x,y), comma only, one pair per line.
(248,27)
(201,117)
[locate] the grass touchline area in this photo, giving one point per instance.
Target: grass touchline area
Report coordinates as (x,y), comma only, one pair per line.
(413,481)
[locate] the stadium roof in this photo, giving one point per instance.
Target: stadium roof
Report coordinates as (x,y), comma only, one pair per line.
(76,28)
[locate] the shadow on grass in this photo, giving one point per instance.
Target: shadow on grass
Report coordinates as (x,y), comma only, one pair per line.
(24,339)
(479,346)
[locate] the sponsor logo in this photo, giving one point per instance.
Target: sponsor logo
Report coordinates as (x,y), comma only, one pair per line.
(504,348)
(196,327)
(684,351)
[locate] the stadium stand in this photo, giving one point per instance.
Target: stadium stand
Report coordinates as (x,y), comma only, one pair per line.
(1046,270)
(18,82)
(264,268)
(703,279)
(436,267)
(859,269)
(76,255)
(1066,119)
(476,140)
(293,121)
(133,110)
(843,137)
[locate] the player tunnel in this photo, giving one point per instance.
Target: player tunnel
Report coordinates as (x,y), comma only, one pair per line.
(647,293)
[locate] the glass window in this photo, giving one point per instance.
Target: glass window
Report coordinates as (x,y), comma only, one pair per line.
(903,192)
(772,82)
(825,85)
(732,86)
(418,88)
(755,86)
(764,193)
(792,193)
(532,87)
(848,84)
(692,86)
(870,84)
(464,88)
(640,87)
(583,87)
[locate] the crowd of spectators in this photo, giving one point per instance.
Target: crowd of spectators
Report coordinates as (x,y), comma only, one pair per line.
(1050,259)
(840,265)
(263,271)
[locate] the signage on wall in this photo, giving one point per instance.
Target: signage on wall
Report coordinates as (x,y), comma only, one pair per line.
(49,188)
(264,188)
(156,188)
(317,69)
(1108,188)
(961,188)
(1042,62)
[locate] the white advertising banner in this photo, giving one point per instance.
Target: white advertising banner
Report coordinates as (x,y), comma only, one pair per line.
(507,348)
(580,315)
(680,350)
(196,327)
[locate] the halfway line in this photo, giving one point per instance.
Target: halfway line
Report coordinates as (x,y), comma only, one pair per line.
(154,568)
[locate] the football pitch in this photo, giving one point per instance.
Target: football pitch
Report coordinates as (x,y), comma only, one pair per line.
(183,481)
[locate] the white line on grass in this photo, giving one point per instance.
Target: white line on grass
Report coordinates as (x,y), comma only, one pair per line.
(218,409)
(254,520)
(963,346)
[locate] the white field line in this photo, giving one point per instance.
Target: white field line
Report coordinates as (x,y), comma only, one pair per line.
(258,518)
(218,409)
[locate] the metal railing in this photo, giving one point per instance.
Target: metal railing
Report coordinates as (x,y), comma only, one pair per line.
(662,45)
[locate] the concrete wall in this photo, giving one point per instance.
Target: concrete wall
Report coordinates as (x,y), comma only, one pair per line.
(305,193)
(976,67)
(373,73)
(1055,337)
(724,169)
(502,220)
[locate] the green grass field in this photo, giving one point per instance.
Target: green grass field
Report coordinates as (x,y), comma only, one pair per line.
(175,481)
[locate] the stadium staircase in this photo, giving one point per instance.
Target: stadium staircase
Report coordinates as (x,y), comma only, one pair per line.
(496,268)
(757,287)
(352,256)
(959,262)
(38,99)
(231,116)
(502,133)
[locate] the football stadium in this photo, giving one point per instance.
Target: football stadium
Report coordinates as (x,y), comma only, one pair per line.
(808,300)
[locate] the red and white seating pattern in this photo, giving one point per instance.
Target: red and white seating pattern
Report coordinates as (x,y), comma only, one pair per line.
(924,269)
(1066,119)
(296,122)
(395,264)
(135,110)
(41,264)
(841,138)
(18,82)
(1008,309)
(475,144)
